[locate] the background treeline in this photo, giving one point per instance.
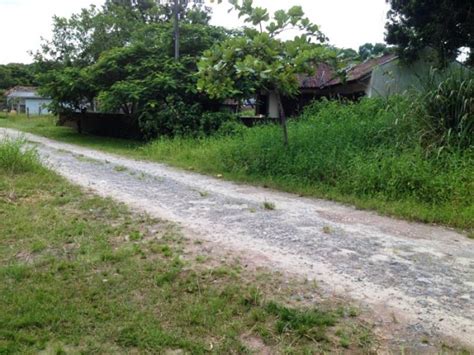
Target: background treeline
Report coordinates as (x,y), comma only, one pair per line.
(15,74)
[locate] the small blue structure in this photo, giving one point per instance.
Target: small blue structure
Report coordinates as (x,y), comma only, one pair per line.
(25,99)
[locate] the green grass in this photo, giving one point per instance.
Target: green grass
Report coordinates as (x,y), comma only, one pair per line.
(370,155)
(81,274)
(16,158)
(268,205)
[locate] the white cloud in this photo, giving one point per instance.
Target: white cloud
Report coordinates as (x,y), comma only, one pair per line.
(347,23)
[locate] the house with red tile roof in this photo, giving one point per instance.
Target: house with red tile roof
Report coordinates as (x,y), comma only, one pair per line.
(382,76)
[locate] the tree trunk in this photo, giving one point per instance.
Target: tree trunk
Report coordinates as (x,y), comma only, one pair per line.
(176,29)
(282,115)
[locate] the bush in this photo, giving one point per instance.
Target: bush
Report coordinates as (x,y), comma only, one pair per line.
(222,122)
(181,119)
(16,158)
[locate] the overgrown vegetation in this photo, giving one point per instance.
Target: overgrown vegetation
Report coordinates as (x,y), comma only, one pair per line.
(82,274)
(447,110)
(373,154)
(120,58)
(16,158)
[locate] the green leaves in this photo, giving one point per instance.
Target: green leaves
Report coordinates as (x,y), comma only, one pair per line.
(242,66)
(296,15)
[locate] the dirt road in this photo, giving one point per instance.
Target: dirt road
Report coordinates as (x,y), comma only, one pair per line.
(417,280)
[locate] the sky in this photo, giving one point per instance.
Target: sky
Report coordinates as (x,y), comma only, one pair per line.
(347,23)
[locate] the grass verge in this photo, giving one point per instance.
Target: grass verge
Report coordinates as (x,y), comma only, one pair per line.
(79,273)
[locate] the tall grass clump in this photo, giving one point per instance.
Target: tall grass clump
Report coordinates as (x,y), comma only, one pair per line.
(447,109)
(16,157)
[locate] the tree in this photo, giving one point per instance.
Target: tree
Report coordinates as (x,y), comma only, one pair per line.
(258,60)
(179,8)
(80,39)
(369,50)
(144,81)
(14,74)
(69,88)
(444,25)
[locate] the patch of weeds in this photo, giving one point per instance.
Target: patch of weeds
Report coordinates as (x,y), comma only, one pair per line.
(203,193)
(201,259)
(254,297)
(327,230)
(269,205)
(344,339)
(16,157)
(118,255)
(85,159)
(135,236)
(223,271)
(365,339)
(171,274)
(38,246)
(310,323)
(348,312)
(252,210)
(120,168)
(166,250)
(17,272)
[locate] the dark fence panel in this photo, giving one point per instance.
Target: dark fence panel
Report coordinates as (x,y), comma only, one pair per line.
(102,124)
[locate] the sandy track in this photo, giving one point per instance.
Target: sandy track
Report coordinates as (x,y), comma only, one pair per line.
(417,279)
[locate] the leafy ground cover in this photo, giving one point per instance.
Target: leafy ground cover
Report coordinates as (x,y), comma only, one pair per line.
(79,273)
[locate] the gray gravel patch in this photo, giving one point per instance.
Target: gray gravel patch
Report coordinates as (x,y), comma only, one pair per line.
(419,274)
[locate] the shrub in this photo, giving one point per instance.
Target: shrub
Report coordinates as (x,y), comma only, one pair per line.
(16,158)
(222,122)
(178,118)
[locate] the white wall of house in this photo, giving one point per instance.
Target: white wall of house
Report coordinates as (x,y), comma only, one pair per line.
(273,111)
(37,106)
(396,77)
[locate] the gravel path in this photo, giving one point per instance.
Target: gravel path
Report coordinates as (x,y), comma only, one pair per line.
(412,275)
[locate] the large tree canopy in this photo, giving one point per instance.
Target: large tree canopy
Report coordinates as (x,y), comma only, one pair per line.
(444,25)
(369,50)
(82,38)
(14,74)
(120,58)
